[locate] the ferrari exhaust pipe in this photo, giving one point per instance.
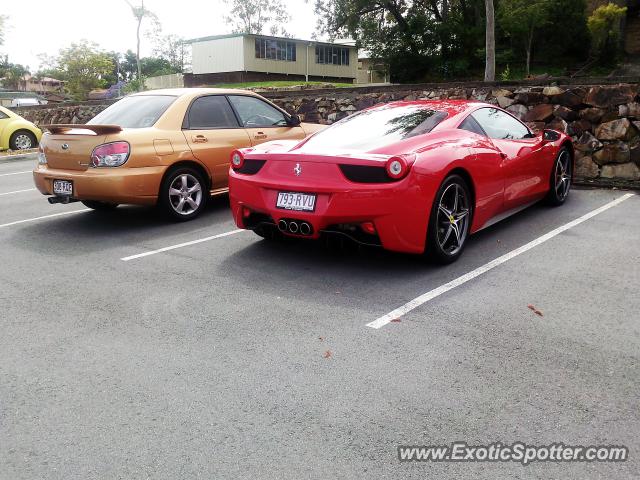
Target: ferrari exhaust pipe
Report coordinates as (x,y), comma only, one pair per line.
(283,226)
(293,227)
(305,228)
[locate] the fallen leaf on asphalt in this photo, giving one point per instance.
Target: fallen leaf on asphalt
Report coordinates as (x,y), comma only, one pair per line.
(327,354)
(535,310)
(396,320)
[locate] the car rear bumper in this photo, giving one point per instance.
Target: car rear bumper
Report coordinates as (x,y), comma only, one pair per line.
(399,211)
(118,185)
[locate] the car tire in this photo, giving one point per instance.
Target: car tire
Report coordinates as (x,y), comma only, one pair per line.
(449,221)
(22,140)
(560,178)
(183,194)
(100,206)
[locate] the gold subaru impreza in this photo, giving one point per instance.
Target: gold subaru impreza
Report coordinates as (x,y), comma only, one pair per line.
(164,147)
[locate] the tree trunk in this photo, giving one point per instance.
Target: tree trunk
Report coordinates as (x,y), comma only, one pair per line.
(138,46)
(527,69)
(490,43)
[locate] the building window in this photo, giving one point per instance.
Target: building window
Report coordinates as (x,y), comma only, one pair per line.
(275,49)
(328,55)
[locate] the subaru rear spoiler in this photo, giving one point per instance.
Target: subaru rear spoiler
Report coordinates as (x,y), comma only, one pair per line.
(97,129)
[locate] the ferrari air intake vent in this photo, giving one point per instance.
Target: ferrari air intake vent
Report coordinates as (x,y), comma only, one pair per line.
(251,167)
(365,174)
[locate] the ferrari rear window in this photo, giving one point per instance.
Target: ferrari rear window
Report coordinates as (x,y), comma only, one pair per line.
(138,111)
(376,128)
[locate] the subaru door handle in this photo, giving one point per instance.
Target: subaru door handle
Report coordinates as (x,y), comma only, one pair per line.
(200,139)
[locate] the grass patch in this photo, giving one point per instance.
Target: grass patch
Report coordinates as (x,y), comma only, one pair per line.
(280,84)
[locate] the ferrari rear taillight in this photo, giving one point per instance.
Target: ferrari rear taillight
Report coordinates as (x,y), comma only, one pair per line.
(112,154)
(237,159)
(397,168)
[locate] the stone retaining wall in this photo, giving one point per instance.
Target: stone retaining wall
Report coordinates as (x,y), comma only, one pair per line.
(603,119)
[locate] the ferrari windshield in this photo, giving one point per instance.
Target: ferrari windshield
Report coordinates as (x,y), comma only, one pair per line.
(138,111)
(375,128)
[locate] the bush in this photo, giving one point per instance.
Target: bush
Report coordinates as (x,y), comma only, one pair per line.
(604,26)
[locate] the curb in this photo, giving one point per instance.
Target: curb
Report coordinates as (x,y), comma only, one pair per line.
(32,155)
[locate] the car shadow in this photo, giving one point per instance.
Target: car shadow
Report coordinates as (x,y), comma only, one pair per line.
(91,231)
(270,265)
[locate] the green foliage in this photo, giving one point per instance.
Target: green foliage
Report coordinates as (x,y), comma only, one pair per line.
(522,20)
(82,67)
(134,86)
(418,38)
(506,74)
(254,16)
(440,39)
(11,73)
(171,48)
(604,25)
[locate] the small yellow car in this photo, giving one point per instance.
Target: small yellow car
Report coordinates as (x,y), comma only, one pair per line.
(16,133)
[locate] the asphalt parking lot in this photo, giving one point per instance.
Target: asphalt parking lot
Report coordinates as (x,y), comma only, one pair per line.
(238,358)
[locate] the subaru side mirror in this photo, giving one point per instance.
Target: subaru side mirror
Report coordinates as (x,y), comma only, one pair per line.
(294,120)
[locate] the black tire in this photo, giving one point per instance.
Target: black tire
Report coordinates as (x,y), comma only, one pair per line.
(177,204)
(560,178)
(18,139)
(100,206)
(444,245)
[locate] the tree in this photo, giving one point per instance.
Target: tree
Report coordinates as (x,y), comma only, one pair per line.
(82,67)
(418,39)
(253,16)
(604,26)
(522,20)
(171,48)
(490,43)
(140,13)
(11,73)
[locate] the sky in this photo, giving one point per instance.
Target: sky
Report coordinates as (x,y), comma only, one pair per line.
(46,26)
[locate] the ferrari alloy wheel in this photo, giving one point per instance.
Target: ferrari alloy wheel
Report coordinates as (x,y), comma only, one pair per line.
(560,183)
(450,220)
(22,140)
(183,194)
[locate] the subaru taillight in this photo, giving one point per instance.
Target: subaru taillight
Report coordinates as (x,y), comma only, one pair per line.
(112,154)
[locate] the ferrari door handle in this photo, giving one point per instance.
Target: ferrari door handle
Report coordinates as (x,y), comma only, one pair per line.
(503,155)
(200,139)
(260,136)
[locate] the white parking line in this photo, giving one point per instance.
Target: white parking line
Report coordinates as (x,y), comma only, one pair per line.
(436,292)
(15,173)
(180,245)
(17,191)
(43,217)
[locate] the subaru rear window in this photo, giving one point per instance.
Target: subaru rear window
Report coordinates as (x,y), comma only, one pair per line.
(376,128)
(138,111)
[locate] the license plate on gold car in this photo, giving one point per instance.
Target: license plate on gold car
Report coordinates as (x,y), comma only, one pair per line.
(62,187)
(296,201)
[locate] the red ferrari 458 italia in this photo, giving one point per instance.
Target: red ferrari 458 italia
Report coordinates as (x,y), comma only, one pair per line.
(415,177)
